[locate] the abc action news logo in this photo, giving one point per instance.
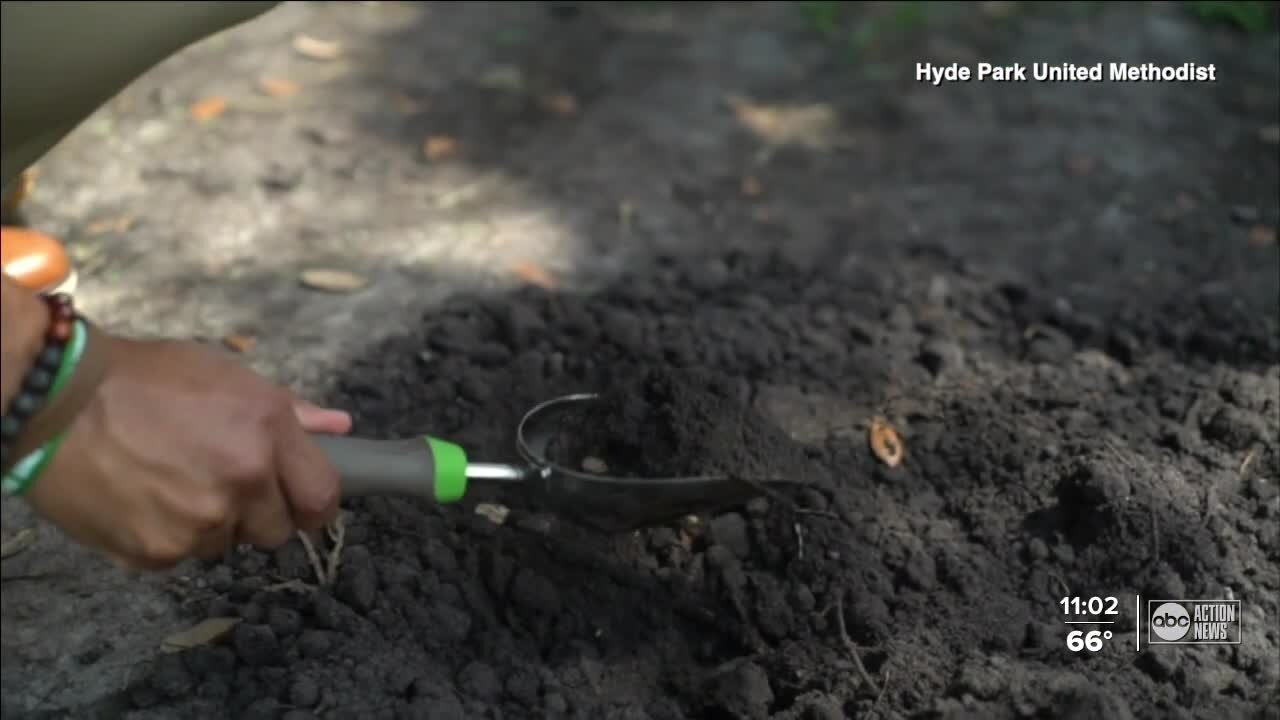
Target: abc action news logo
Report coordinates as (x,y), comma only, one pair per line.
(1199,622)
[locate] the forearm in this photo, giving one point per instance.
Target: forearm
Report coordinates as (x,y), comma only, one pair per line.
(23,321)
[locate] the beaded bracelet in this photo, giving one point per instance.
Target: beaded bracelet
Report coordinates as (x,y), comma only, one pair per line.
(25,471)
(64,343)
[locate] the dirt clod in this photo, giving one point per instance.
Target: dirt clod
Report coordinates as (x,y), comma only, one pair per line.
(357,583)
(256,645)
(741,691)
(940,356)
(304,692)
(670,423)
(730,530)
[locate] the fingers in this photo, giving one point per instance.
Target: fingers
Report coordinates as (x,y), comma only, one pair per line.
(215,543)
(315,419)
(266,520)
(302,490)
(309,482)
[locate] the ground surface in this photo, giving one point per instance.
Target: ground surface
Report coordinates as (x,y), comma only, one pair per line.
(1056,293)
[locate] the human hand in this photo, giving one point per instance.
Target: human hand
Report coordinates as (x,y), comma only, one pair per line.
(184,452)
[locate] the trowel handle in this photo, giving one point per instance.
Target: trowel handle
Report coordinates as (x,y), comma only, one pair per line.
(423,467)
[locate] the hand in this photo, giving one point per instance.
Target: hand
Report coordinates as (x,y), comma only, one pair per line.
(185,452)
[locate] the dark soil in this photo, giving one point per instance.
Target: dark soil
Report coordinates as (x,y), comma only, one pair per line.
(1054,293)
(943,573)
(670,423)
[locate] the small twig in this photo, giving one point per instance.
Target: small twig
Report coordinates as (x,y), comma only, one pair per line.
(20,541)
(1189,414)
(314,557)
(852,648)
(1248,460)
(337,535)
(30,576)
(884,686)
(1062,585)
(1155,535)
(294,585)
(816,513)
(799,540)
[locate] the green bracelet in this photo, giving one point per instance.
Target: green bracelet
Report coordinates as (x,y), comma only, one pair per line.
(24,473)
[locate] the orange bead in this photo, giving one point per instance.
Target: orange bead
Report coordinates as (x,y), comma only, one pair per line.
(34,260)
(60,331)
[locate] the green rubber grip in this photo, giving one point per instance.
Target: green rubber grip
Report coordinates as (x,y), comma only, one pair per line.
(451,470)
(424,467)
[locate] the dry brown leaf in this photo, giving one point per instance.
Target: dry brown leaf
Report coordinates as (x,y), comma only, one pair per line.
(405,103)
(1080,165)
(208,108)
(626,214)
(439,147)
(998,8)
(1183,204)
(507,78)
(561,103)
(751,187)
(279,88)
(886,445)
(22,189)
(106,225)
(309,47)
(594,465)
(240,343)
(815,126)
(330,280)
(204,632)
(534,275)
(1262,235)
(1269,134)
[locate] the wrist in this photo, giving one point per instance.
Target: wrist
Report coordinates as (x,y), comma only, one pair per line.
(24,321)
(81,370)
(55,389)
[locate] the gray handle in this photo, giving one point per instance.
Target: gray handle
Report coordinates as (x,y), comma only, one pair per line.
(424,467)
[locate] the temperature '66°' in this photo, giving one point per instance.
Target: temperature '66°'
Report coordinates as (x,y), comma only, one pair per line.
(1090,640)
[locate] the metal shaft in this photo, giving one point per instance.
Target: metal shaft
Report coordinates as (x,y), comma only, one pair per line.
(496,472)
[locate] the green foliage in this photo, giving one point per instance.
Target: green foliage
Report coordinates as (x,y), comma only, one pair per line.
(826,16)
(857,27)
(1248,16)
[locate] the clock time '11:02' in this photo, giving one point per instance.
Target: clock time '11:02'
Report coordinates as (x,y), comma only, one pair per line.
(1090,606)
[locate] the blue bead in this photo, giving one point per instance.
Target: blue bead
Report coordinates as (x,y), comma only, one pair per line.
(39,380)
(24,405)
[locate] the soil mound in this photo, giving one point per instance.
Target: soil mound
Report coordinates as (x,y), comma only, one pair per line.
(672,423)
(1036,466)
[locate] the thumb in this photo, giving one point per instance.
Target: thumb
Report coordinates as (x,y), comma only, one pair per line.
(315,419)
